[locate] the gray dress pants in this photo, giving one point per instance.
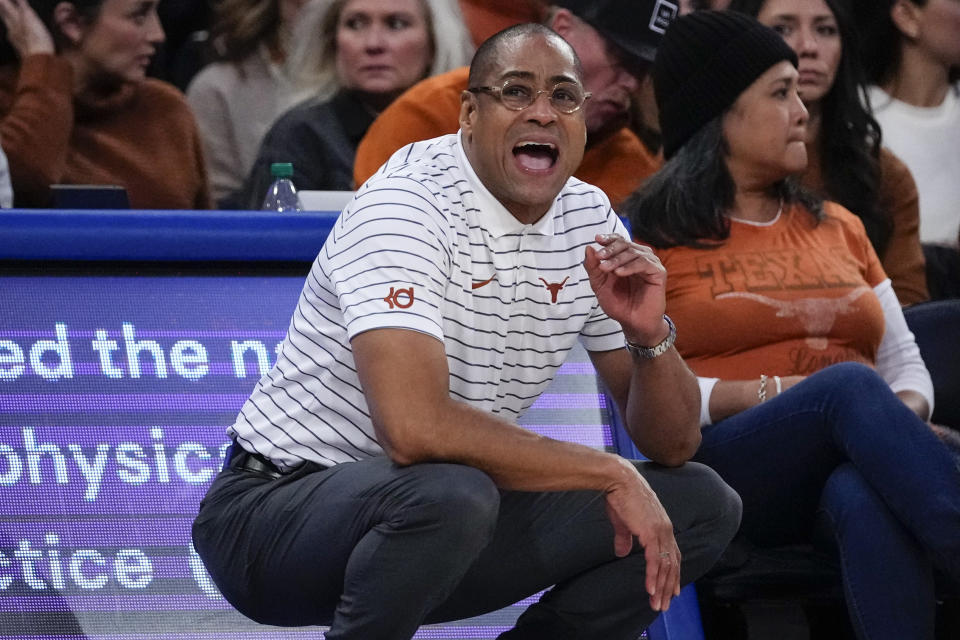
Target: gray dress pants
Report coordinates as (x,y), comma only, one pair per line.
(375,550)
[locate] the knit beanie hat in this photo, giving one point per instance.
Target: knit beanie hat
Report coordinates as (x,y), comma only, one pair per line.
(705,61)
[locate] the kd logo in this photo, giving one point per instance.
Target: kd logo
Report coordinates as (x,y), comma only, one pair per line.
(554,288)
(401,298)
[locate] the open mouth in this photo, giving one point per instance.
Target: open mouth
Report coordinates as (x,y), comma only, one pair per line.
(536,156)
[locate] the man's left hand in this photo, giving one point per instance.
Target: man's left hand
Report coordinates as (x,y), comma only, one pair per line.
(630,284)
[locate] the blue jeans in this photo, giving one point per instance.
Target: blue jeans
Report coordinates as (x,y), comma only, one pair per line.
(375,550)
(936,326)
(840,451)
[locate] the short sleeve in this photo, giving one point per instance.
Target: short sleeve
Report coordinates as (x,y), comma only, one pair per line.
(390,257)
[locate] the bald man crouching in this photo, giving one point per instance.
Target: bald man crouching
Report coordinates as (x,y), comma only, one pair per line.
(378,480)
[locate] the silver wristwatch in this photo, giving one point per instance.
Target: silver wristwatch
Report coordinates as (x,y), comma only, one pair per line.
(654,351)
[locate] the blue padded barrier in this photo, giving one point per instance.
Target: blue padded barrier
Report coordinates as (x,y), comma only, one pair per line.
(682,621)
(46,234)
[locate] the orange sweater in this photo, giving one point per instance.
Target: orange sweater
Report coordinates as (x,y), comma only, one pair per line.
(788,298)
(143,138)
(485,17)
(431,108)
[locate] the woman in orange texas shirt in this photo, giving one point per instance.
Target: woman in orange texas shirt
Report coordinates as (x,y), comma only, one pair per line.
(814,397)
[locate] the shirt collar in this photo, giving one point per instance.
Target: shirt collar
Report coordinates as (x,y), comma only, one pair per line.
(493,215)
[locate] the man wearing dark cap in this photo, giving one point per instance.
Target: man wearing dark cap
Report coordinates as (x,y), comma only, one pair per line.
(616,41)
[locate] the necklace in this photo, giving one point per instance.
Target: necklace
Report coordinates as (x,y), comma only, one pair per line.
(764,223)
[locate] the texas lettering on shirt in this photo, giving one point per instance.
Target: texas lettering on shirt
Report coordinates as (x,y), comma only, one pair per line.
(786,299)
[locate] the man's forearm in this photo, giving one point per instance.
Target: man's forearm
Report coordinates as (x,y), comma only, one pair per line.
(416,421)
(663,408)
(516,458)
(657,394)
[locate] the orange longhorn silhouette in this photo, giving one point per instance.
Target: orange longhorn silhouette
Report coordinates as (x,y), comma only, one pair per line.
(554,288)
(816,315)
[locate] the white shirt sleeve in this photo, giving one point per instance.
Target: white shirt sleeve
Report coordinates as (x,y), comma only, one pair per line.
(388,258)
(6,190)
(706,389)
(898,358)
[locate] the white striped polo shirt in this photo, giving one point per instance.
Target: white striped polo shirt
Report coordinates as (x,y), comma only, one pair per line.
(425,246)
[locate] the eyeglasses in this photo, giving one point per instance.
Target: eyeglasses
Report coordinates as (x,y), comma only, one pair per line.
(516,94)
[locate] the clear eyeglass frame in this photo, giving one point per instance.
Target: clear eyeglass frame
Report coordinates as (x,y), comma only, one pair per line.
(517,94)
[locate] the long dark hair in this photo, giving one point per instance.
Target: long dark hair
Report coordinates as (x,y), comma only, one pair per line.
(88,9)
(850,137)
(876,27)
(881,45)
(685,203)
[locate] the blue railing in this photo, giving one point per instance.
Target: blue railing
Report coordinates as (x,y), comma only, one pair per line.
(154,235)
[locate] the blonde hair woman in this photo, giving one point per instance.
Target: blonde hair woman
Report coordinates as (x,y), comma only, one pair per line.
(355,56)
(313,60)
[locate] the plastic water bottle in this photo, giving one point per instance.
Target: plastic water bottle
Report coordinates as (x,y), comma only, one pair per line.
(282,195)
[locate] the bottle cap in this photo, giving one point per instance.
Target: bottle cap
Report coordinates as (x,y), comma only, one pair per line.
(281,170)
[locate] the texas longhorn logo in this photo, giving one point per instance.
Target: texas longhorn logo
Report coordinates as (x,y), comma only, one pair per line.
(554,288)
(393,299)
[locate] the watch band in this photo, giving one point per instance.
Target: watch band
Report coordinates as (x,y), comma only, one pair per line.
(656,350)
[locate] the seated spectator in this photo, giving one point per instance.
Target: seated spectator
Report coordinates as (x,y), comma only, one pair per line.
(615,39)
(238,97)
(378,479)
(485,17)
(358,56)
(845,162)
(77,107)
(815,401)
(911,50)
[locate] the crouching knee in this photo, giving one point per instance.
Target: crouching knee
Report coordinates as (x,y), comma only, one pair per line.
(705,512)
(721,505)
(461,501)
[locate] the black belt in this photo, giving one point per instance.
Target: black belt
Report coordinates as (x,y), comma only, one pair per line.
(240,458)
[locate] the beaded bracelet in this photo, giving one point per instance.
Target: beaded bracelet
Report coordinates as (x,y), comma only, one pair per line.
(762,390)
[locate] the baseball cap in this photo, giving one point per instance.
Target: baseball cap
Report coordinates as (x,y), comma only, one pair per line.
(636,26)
